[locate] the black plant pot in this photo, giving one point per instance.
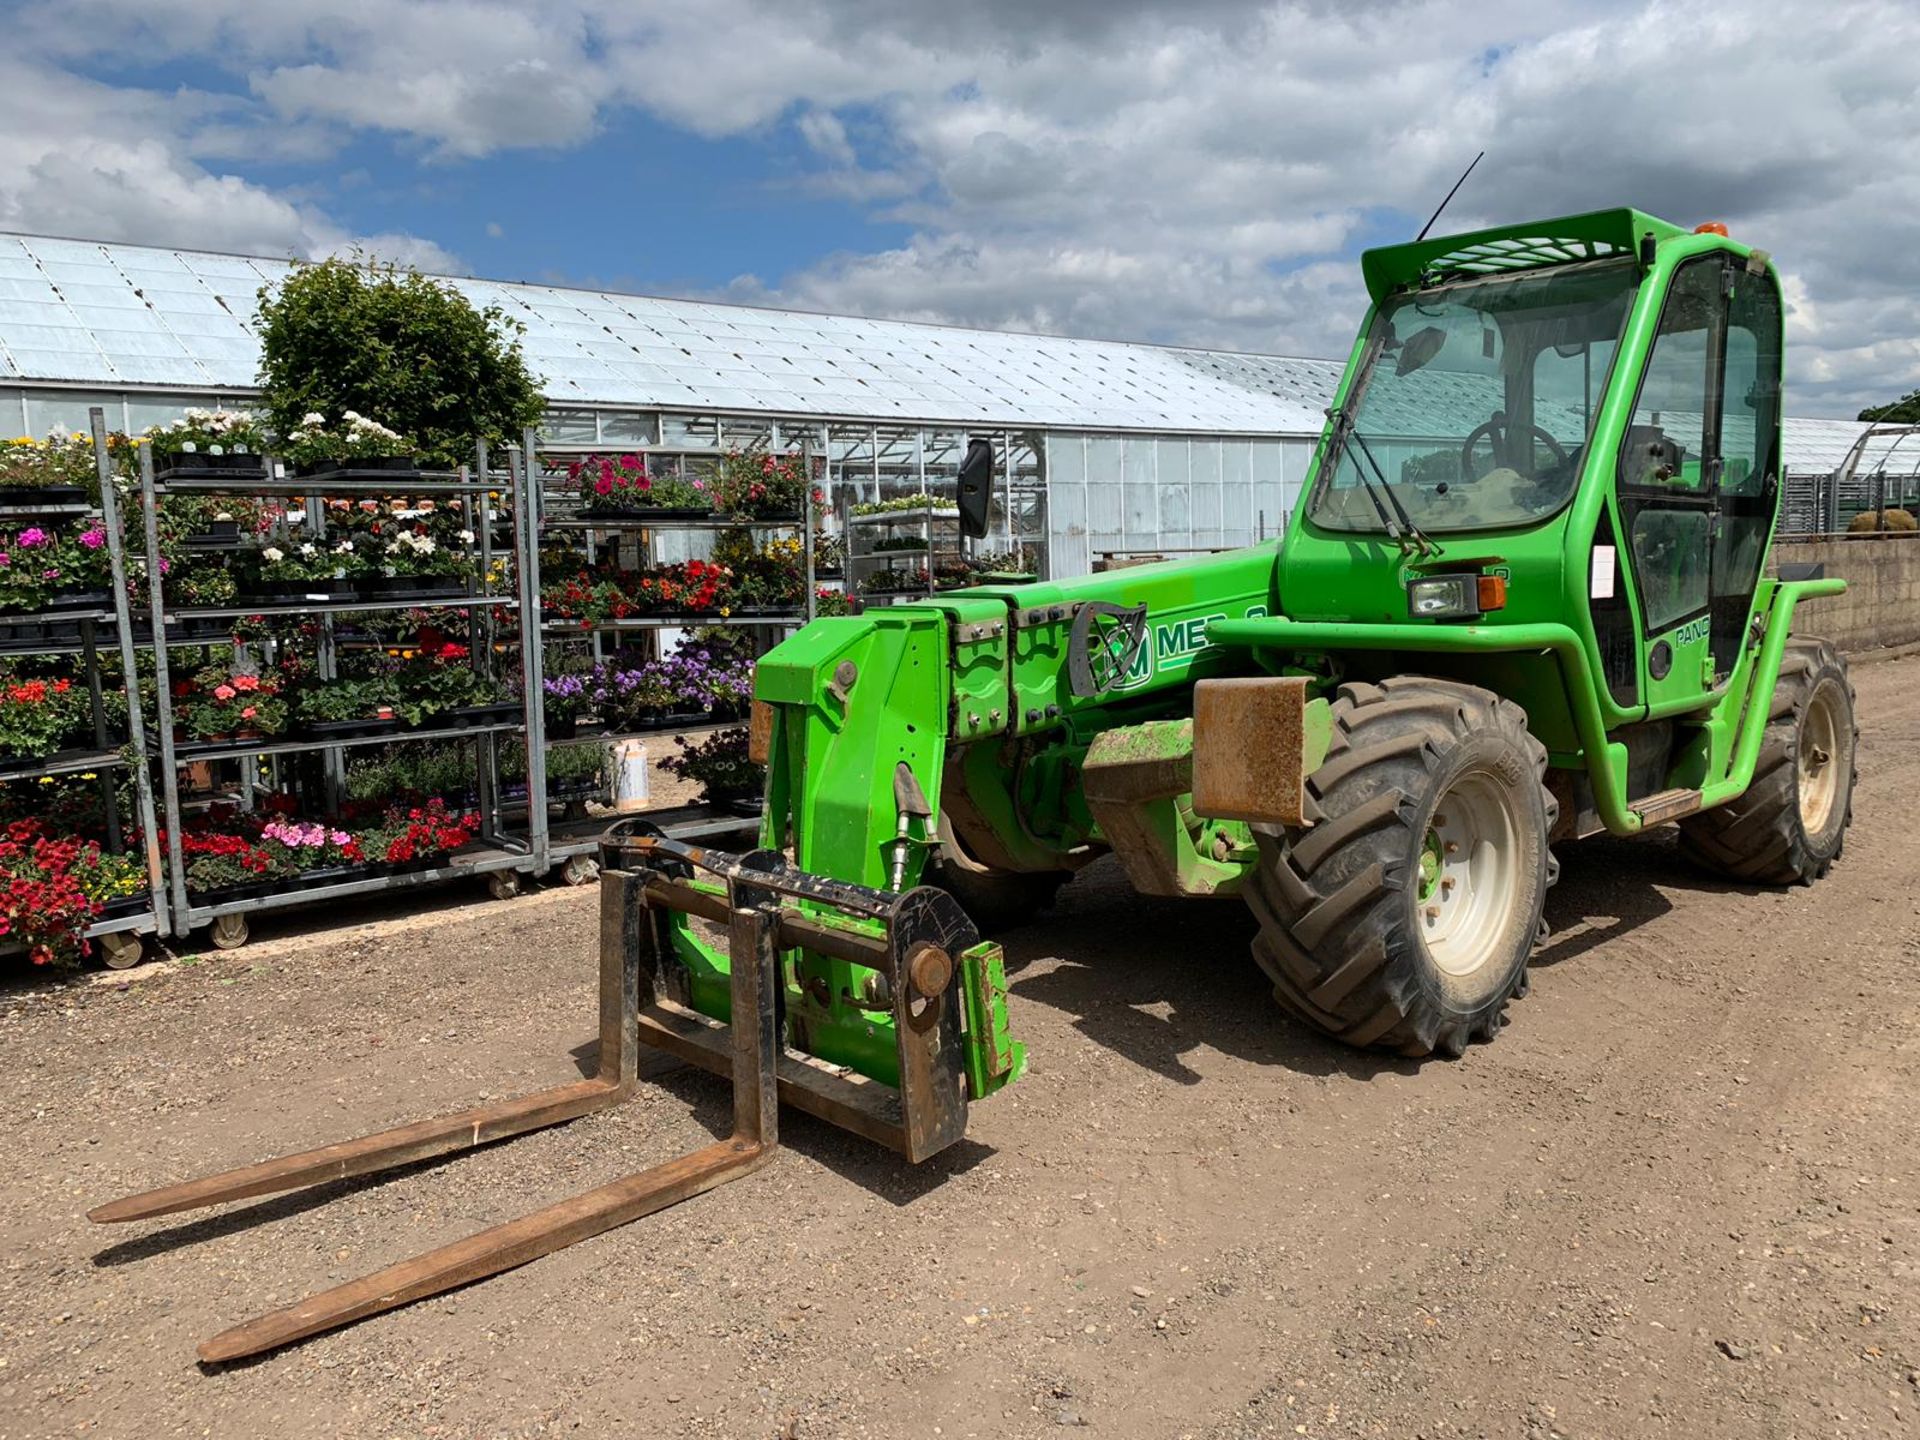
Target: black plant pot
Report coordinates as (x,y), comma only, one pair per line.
(197,466)
(39,499)
(562,727)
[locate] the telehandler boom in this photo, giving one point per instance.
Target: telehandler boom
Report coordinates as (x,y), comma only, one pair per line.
(1523,600)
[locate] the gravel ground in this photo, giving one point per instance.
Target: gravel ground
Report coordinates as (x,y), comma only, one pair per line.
(1677,1197)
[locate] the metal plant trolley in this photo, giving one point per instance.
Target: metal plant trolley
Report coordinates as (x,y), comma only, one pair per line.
(499,854)
(81,631)
(574,844)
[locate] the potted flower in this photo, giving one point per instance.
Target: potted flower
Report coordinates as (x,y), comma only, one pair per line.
(43,904)
(223,865)
(288,569)
(209,445)
(756,485)
(412,562)
(38,718)
(347,707)
(38,476)
(436,682)
(563,700)
(355,446)
(416,837)
(116,884)
(42,569)
(900,504)
(312,853)
(224,702)
(615,488)
(720,766)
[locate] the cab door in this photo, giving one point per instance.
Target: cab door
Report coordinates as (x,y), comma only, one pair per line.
(1696,483)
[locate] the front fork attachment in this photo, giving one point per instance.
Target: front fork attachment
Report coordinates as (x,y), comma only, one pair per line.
(644,877)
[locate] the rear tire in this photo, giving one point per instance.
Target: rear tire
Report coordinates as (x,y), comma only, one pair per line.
(1790,825)
(1405,917)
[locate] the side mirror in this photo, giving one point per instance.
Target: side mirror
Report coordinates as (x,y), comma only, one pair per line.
(975,496)
(1420,349)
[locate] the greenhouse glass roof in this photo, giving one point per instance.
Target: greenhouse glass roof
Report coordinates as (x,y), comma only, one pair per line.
(94,314)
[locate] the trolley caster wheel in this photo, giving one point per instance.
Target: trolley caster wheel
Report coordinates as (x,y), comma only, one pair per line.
(230,932)
(121,950)
(580,870)
(503,884)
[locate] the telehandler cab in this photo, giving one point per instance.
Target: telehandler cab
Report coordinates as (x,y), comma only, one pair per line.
(1523,600)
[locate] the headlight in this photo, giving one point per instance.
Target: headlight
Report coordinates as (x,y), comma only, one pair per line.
(1444,597)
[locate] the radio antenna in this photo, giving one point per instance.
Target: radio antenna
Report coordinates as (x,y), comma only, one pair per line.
(1450,194)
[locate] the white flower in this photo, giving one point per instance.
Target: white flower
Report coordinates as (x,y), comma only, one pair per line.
(309,549)
(313,417)
(466,537)
(272,555)
(345,547)
(350,415)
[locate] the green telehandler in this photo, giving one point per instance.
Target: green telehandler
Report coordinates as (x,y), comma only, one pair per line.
(1523,600)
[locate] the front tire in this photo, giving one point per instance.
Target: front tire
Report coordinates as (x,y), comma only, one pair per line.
(1404,918)
(1790,824)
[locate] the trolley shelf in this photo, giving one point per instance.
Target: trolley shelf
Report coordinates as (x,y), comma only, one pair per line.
(188,752)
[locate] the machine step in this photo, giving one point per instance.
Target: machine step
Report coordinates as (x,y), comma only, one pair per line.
(1667,805)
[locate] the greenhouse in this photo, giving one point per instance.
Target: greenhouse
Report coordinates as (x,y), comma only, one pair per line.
(1107,447)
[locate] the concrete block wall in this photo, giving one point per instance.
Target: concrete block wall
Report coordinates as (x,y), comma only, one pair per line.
(1882,603)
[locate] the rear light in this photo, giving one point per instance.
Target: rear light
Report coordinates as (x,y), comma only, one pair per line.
(1445,597)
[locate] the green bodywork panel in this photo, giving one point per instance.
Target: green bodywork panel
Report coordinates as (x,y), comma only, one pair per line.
(971,691)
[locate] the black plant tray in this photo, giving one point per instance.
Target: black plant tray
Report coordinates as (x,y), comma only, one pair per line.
(363,467)
(462,717)
(28,764)
(126,905)
(221,895)
(213,467)
(282,592)
(741,805)
(344,729)
(40,499)
(80,600)
(423,586)
(629,513)
(22,634)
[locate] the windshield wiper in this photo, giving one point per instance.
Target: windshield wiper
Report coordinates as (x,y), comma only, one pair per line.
(1405,532)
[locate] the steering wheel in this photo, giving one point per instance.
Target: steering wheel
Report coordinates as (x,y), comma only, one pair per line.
(1496,431)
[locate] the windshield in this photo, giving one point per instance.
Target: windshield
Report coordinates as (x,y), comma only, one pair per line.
(1476,400)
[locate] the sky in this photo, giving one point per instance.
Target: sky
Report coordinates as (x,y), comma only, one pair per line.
(1200,173)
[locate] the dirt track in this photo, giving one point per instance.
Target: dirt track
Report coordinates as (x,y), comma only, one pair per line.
(1679,1196)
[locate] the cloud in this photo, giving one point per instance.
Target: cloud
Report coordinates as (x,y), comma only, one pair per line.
(1202,172)
(98,162)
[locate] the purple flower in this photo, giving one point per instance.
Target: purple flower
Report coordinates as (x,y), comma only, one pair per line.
(33,537)
(93,539)
(5,559)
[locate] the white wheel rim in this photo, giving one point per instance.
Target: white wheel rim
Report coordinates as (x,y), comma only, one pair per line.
(1469,874)
(1821,763)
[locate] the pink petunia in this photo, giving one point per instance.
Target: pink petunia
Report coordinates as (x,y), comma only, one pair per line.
(93,539)
(223,692)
